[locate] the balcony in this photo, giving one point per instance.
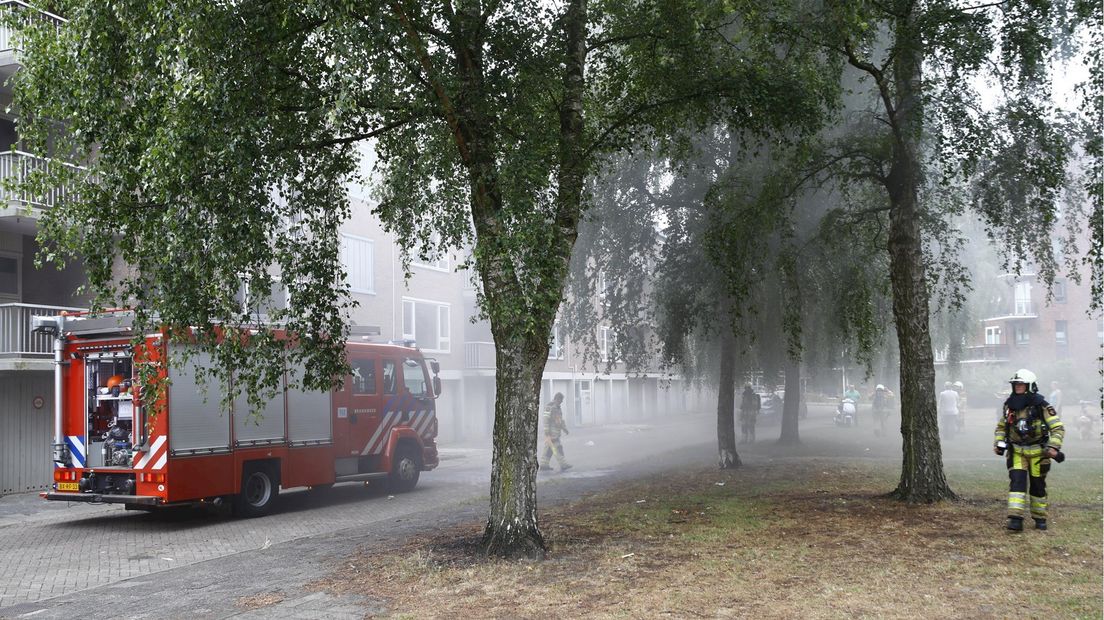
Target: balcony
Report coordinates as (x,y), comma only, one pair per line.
(8,35)
(20,206)
(479,356)
(20,348)
(1019,310)
(985,353)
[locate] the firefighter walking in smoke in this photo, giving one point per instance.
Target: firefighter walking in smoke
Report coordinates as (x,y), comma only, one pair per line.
(749,411)
(554,425)
(1029,435)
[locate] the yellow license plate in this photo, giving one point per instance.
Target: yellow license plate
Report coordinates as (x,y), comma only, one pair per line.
(68,486)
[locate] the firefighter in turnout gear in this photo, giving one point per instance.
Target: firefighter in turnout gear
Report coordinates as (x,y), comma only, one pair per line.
(750,404)
(1029,435)
(554,425)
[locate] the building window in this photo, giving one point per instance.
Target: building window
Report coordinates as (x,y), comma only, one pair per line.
(607,344)
(603,287)
(556,348)
(1023,299)
(262,304)
(433,261)
(1061,336)
(9,276)
(1059,291)
(993,335)
(1022,335)
(358,257)
(427,323)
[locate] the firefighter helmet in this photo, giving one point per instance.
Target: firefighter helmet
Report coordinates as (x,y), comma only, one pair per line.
(114,380)
(879,387)
(959,385)
(1027,377)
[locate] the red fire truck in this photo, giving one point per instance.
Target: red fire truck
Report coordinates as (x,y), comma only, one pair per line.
(108,447)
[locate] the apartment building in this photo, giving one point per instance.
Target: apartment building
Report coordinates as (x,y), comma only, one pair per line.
(1021,327)
(1024,325)
(26,367)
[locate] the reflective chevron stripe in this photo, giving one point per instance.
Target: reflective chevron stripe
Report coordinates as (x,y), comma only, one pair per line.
(76,448)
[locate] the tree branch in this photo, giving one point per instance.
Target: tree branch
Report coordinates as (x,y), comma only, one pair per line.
(639,110)
(382,129)
(451,117)
(879,79)
(987,5)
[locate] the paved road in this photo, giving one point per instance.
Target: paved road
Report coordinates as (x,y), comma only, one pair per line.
(61,560)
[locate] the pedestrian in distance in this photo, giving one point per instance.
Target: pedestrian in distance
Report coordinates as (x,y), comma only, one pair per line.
(1055,397)
(750,404)
(1085,421)
(854,395)
(960,421)
(947,405)
(881,405)
(554,425)
(1028,435)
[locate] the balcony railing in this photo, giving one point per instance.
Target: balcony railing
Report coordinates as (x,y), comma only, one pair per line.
(16,167)
(985,353)
(479,355)
(16,337)
(1023,308)
(25,12)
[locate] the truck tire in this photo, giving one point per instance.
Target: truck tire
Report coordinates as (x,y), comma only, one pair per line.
(406,467)
(259,490)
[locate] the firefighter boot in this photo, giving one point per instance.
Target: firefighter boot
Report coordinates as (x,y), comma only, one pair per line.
(1040,524)
(1015,524)
(564,467)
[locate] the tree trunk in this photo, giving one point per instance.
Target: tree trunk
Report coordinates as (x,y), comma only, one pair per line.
(522,346)
(922,477)
(512,530)
(791,407)
(726,403)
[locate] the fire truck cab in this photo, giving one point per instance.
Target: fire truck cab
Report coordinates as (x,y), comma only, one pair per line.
(381,424)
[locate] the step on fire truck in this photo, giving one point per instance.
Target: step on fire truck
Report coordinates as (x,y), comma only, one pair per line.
(109,447)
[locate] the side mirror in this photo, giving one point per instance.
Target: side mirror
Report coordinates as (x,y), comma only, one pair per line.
(436,386)
(435,366)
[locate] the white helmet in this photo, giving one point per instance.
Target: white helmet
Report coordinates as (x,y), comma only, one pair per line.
(1024,375)
(958,384)
(879,387)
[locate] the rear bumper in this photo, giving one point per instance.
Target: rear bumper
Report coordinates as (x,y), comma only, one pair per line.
(97,498)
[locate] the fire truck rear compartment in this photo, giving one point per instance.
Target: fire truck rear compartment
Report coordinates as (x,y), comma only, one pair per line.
(110,410)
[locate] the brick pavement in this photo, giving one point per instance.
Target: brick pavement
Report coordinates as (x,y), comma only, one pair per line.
(60,563)
(88,546)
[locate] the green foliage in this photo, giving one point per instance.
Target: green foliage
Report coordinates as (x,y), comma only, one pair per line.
(213,170)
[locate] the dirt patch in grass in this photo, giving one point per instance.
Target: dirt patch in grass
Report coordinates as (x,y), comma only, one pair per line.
(808,539)
(257,601)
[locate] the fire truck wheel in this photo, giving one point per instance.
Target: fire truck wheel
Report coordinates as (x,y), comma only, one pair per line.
(258,493)
(405,469)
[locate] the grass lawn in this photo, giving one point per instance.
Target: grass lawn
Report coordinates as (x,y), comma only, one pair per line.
(800,538)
